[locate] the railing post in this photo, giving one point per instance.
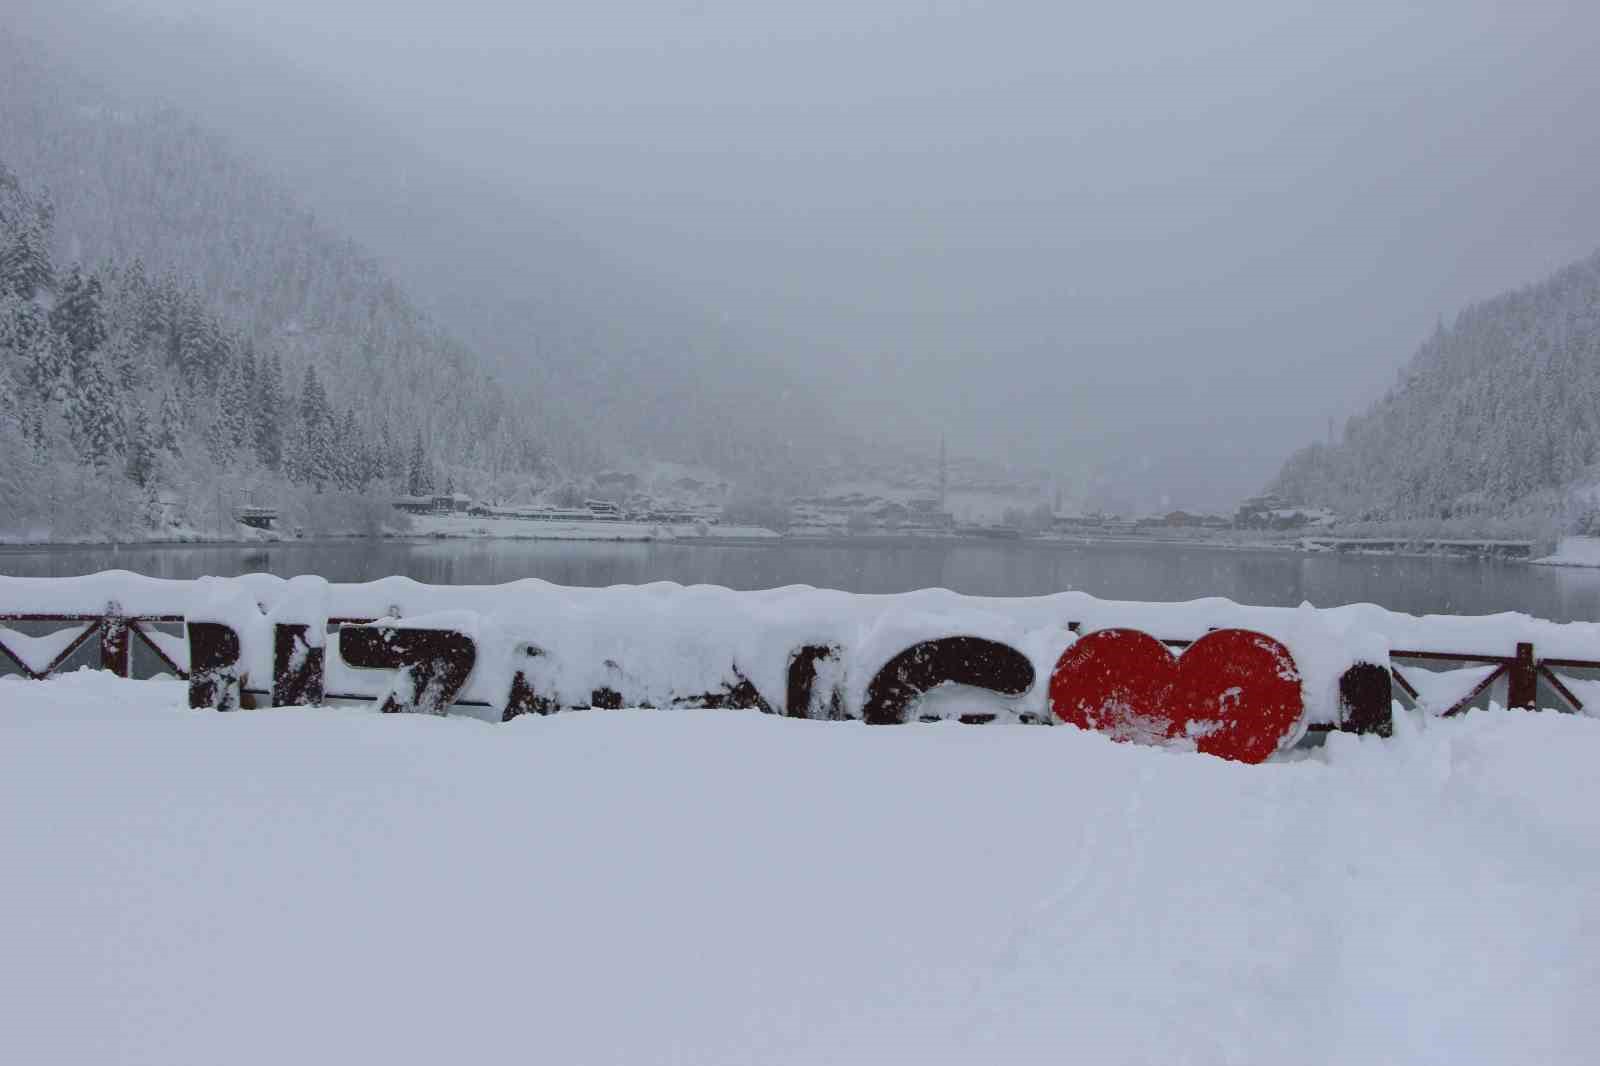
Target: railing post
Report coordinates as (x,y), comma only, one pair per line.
(1523,680)
(114,641)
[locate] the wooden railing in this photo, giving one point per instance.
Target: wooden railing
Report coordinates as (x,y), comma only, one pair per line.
(1365,690)
(115,629)
(1521,670)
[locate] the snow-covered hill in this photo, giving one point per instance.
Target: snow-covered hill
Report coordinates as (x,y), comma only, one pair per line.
(458,305)
(726,887)
(1493,417)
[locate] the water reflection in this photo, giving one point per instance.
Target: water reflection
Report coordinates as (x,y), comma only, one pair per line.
(1118,571)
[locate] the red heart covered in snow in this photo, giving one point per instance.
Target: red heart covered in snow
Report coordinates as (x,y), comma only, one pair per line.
(1232,693)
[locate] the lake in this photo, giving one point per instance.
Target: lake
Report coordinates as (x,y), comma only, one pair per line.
(1114,570)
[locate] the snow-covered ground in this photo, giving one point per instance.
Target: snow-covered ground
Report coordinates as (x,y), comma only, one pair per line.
(325,885)
(1574,551)
(519,529)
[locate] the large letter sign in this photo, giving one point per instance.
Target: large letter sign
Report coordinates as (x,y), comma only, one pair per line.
(433,664)
(213,666)
(1232,693)
(947,661)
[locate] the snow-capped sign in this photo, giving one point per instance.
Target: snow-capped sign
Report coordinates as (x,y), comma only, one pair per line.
(1234,693)
(1231,693)
(1253,680)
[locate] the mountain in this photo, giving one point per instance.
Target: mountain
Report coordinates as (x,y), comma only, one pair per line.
(130,182)
(609,366)
(1497,414)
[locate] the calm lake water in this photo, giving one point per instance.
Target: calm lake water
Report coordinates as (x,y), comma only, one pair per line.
(1115,570)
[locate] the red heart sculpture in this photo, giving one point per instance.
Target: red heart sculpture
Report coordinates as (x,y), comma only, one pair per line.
(1233,693)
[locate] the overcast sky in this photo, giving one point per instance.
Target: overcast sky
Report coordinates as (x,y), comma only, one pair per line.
(1159,229)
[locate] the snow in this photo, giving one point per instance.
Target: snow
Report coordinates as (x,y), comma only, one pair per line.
(1574,551)
(728,887)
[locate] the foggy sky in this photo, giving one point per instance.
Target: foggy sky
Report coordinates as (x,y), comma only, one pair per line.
(1073,233)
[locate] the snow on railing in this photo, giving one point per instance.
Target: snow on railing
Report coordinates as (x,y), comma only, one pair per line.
(1248,681)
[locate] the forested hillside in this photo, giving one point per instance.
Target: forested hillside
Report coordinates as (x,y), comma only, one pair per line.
(1497,414)
(130,183)
(179,335)
(128,407)
(597,365)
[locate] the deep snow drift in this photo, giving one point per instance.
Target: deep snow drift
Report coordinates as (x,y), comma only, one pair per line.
(324,885)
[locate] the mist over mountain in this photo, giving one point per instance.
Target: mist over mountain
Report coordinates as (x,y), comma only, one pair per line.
(129,181)
(1497,413)
(1149,255)
(604,364)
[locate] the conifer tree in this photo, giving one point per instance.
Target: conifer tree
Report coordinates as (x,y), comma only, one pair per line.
(94,415)
(311,451)
(350,454)
(25,233)
(419,475)
(141,453)
(269,411)
(77,315)
(236,401)
(169,427)
(126,361)
(218,431)
(389,463)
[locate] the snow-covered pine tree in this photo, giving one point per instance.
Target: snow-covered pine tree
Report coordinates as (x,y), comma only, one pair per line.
(311,453)
(350,458)
(218,431)
(170,425)
(388,462)
(25,234)
(126,360)
(269,412)
(236,401)
(141,464)
(418,479)
(203,348)
(77,315)
(95,416)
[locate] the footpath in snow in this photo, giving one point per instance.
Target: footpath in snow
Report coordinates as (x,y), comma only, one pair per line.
(324,885)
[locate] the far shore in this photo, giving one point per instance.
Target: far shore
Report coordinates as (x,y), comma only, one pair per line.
(457,528)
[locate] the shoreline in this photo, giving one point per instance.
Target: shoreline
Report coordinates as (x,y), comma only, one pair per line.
(750,537)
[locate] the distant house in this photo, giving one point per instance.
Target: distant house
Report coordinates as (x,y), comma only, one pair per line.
(1271,511)
(258,517)
(924,513)
(1094,522)
(414,504)
(1257,511)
